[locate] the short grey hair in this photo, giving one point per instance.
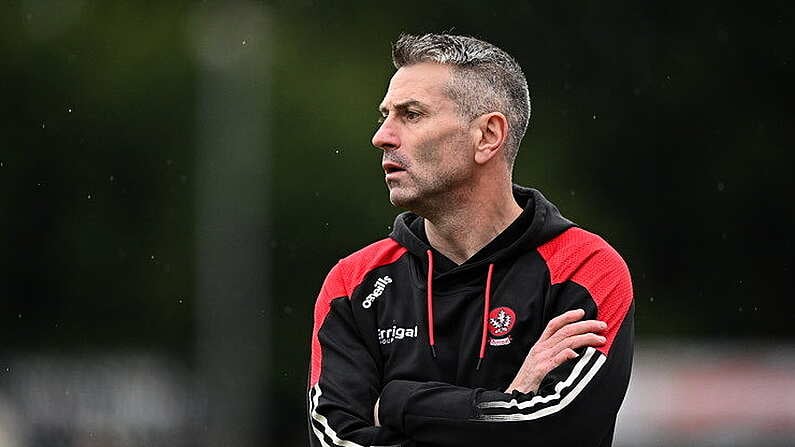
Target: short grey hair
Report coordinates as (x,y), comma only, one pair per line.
(485,78)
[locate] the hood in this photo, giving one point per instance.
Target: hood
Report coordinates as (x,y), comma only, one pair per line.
(539,222)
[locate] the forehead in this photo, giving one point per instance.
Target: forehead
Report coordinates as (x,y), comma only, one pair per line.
(425,83)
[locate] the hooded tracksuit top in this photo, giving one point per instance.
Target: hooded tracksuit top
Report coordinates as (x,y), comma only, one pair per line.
(439,343)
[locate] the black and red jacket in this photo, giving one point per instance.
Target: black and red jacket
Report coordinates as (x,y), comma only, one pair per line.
(440,342)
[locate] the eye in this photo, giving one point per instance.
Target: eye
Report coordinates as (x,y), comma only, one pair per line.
(412,115)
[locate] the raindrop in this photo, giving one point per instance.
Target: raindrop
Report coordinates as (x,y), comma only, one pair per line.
(89,196)
(337,151)
(244,43)
(572,192)
(756,308)
(740,309)
(111,178)
(721,186)
(19,315)
(594,117)
(651,299)
(668,77)
(69,110)
(152,257)
(179,301)
(42,125)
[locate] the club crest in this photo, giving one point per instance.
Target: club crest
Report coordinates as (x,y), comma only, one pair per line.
(501,321)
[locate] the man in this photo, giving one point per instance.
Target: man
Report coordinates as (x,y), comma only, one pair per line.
(486,318)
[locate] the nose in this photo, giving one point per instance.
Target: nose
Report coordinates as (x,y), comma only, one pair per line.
(385,137)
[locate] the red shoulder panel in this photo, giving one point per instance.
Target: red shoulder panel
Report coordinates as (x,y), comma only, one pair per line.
(340,282)
(359,264)
(584,258)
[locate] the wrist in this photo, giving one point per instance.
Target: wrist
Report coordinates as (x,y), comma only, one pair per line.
(523,384)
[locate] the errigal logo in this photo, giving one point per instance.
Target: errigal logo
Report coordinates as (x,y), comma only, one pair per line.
(386,336)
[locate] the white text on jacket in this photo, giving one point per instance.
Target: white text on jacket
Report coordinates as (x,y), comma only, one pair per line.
(380,286)
(386,336)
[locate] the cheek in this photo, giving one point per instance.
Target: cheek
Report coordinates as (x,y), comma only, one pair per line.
(438,149)
(427,152)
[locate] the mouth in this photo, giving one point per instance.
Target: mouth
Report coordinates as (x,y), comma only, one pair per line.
(392,168)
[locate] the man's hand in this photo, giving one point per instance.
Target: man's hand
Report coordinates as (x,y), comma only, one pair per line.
(562,336)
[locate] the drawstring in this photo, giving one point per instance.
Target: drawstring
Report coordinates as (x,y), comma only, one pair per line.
(431,339)
(486,305)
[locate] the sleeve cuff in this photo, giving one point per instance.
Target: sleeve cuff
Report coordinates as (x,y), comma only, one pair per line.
(393,403)
(407,400)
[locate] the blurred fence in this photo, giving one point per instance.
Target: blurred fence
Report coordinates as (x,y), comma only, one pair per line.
(100,400)
(681,394)
(710,394)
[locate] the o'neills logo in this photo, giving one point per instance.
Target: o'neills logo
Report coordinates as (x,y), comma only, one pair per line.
(501,321)
(380,286)
(386,336)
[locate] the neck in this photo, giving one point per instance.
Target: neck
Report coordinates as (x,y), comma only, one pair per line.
(471,221)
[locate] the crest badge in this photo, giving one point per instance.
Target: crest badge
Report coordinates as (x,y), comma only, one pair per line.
(501,321)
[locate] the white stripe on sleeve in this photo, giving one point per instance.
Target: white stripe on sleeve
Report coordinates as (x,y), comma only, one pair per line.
(324,422)
(513,405)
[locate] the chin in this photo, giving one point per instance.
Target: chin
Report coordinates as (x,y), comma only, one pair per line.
(401,199)
(397,200)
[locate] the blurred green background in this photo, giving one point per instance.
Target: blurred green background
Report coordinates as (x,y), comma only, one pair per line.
(666,127)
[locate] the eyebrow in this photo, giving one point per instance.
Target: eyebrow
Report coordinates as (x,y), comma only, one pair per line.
(403,105)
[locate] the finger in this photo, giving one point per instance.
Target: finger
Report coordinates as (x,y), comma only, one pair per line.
(561,320)
(579,341)
(577,328)
(562,357)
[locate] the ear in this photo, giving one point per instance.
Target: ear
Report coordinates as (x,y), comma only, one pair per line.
(491,133)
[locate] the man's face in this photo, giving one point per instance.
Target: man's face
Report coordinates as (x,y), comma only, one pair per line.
(427,145)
